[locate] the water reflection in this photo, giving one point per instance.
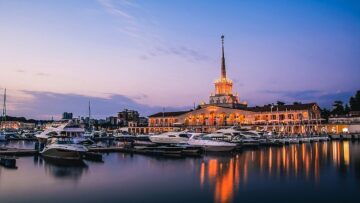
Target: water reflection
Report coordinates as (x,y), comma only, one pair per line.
(328,172)
(62,170)
(298,162)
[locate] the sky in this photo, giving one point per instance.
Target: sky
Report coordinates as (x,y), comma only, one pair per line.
(55,56)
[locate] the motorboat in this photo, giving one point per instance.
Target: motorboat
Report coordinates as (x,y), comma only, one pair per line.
(345,136)
(63,148)
(143,140)
(210,145)
(243,141)
(334,136)
(100,135)
(171,138)
(123,136)
(66,130)
(228,134)
(9,134)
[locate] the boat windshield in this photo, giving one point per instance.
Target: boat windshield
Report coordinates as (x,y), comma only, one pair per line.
(60,141)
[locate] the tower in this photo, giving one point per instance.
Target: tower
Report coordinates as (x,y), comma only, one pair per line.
(223,95)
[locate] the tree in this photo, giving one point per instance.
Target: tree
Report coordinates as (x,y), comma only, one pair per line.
(346,109)
(296,103)
(338,108)
(325,113)
(280,103)
(355,102)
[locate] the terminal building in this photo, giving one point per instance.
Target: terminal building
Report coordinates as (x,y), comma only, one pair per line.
(225,109)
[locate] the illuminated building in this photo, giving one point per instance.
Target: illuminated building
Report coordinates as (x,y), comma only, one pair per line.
(225,109)
(16,125)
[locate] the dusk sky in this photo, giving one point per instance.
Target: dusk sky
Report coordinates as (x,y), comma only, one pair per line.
(150,55)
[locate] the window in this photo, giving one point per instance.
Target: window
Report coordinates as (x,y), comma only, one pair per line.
(184,135)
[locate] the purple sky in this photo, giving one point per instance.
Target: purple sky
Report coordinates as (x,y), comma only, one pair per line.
(56,55)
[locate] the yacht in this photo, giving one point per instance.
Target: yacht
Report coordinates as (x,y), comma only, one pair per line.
(63,148)
(171,138)
(210,145)
(345,136)
(334,136)
(64,130)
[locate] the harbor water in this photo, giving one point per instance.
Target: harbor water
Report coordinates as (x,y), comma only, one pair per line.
(312,172)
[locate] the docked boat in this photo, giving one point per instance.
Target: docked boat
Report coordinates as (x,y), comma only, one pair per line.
(210,145)
(63,148)
(143,140)
(171,138)
(334,136)
(345,136)
(66,130)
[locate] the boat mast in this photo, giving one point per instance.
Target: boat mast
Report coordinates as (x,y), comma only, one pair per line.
(89,114)
(4,107)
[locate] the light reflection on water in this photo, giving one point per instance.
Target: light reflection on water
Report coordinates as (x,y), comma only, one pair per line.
(327,171)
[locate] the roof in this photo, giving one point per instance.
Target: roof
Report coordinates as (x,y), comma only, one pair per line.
(287,107)
(169,114)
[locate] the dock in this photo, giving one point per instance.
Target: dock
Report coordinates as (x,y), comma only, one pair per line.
(17,152)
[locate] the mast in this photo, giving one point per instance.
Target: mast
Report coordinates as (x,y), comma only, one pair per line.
(89,113)
(4,107)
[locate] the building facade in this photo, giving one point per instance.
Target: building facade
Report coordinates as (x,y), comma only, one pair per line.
(17,125)
(126,116)
(225,109)
(349,123)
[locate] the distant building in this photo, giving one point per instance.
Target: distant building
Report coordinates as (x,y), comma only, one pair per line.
(345,123)
(143,121)
(112,120)
(17,125)
(125,116)
(67,116)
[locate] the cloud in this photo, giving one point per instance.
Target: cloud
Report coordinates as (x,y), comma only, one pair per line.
(44,105)
(180,51)
(136,22)
(42,74)
(111,8)
(131,18)
(20,71)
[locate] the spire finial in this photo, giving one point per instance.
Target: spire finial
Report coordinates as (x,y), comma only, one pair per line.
(223,69)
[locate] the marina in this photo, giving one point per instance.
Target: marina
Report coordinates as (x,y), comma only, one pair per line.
(180,101)
(272,171)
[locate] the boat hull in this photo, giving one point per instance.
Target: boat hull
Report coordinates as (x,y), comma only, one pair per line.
(213,146)
(166,140)
(334,136)
(62,154)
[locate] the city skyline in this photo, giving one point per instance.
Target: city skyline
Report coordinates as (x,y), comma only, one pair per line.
(133,54)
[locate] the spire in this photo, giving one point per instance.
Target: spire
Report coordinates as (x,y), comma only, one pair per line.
(223,69)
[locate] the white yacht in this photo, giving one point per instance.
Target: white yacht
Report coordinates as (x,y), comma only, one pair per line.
(66,129)
(210,145)
(171,138)
(63,148)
